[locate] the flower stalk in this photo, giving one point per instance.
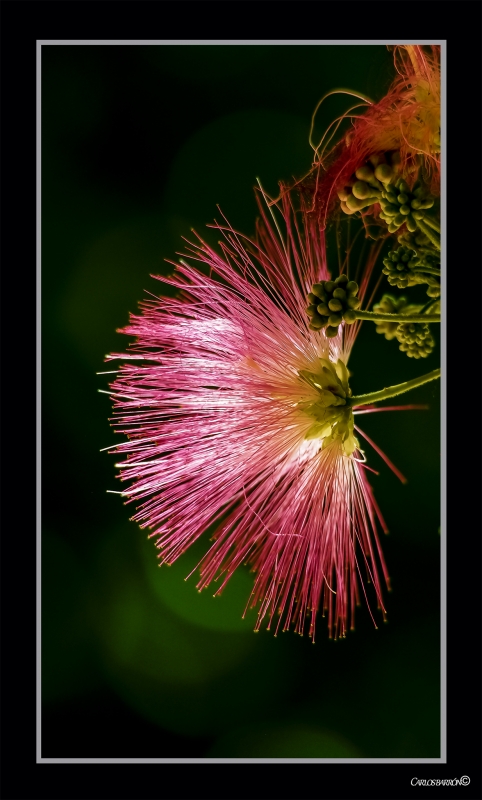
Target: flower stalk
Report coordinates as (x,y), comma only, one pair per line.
(393,391)
(374,316)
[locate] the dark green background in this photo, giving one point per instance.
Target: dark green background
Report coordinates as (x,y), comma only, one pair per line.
(139,144)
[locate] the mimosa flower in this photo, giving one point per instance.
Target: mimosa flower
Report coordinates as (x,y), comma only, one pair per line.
(392,141)
(238,415)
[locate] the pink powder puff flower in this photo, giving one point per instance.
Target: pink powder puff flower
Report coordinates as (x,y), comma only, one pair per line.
(235,413)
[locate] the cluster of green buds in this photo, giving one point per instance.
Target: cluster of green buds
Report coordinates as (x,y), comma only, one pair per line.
(391,305)
(331,302)
(399,267)
(403,268)
(400,205)
(415,339)
(366,186)
(419,243)
(378,182)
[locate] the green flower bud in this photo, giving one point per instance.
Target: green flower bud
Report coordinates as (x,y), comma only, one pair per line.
(334,319)
(361,190)
(353,302)
(364,173)
(311,311)
(331,332)
(352,287)
(349,317)
(323,309)
(317,322)
(341,279)
(335,305)
(329,286)
(318,289)
(339,294)
(384,173)
(411,224)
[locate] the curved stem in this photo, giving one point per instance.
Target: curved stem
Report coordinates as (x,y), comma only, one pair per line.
(428,305)
(430,270)
(433,224)
(374,317)
(429,233)
(392,391)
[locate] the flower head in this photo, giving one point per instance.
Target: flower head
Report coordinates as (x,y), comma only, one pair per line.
(396,140)
(238,416)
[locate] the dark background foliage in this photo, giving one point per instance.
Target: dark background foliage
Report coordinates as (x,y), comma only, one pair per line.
(139,144)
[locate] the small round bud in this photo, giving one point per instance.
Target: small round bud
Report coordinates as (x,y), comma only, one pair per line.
(318,289)
(384,173)
(312,298)
(316,322)
(349,317)
(311,311)
(352,287)
(323,309)
(341,279)
(339,294)
(405,209)
(329,286)
(361,190)
(364,173)
(403,187)
(353,302)
(331,331)
(334,319)
(402,198)
(335,305)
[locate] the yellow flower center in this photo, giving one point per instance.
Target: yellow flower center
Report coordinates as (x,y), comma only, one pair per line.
(333,418)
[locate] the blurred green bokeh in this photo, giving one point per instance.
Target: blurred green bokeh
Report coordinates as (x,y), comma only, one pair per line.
(139,144)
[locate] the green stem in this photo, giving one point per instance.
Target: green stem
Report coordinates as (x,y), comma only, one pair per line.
(428,305)
(374,317)
(433,224)
(429,233)
(392,391)
(430,270)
